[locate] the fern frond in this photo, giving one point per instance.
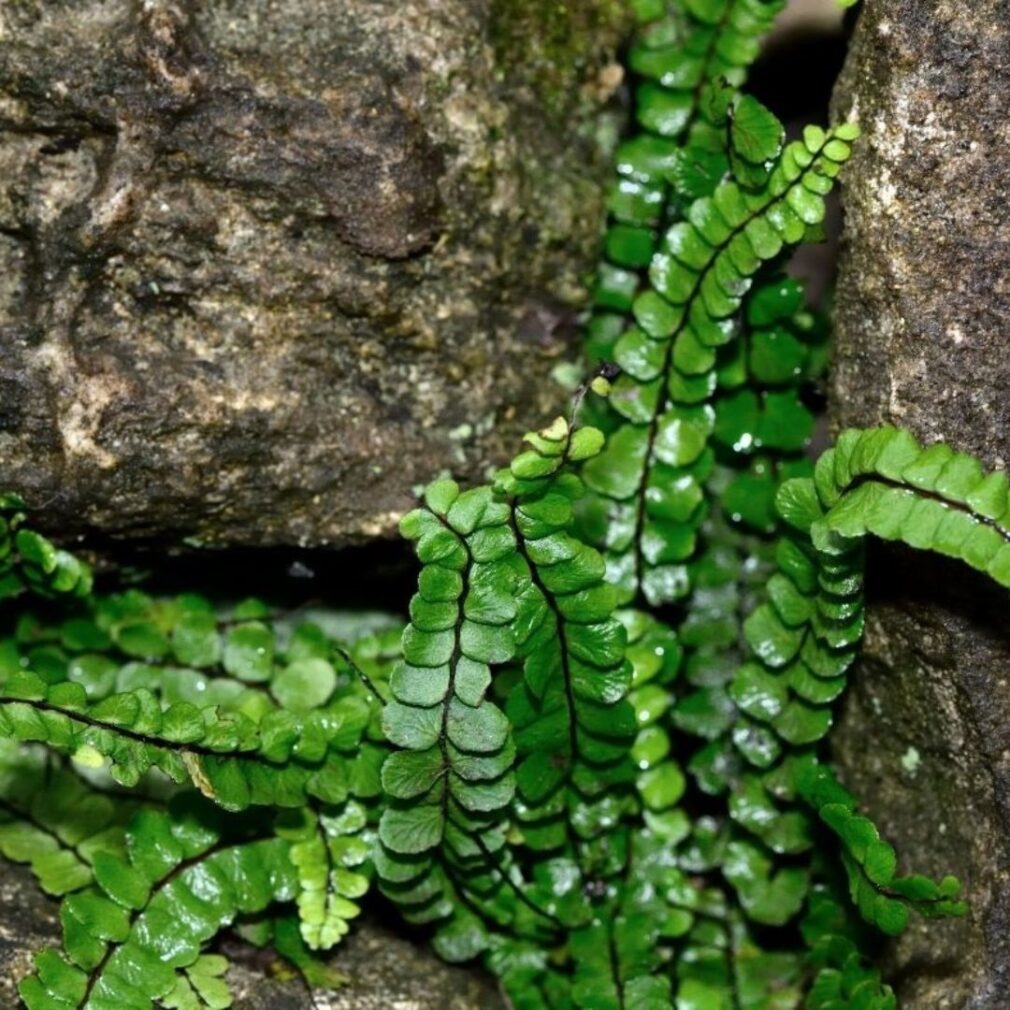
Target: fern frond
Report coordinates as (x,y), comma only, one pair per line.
(328,851)
(678,56)
(573,726)
(182,649)
(881,896)
(878,482)
(649,475)
(151,912)
(30,562)
(451,780)
(456,753)
(229,758)
(52,821)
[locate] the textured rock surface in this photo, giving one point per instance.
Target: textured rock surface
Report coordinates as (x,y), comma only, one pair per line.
(28,923)
(810,14)
(265,264)
(384,971)
(924,300)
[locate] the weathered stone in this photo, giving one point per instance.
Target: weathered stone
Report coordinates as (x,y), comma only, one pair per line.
(810,15)
(924,298)
(384,971)
(28,923)
(266,265)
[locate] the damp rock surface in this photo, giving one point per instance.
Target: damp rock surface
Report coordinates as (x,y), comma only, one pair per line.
(923,305)
(265,265)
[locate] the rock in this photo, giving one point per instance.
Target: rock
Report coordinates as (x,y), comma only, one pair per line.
(924,295)
(28,923)
(265,265)
(384,970)
(810,15)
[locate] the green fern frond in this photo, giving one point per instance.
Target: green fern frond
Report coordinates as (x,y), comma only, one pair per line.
(52,821)
(877,482)
(456,753)
(182,649)
(151,911)
(328,851)
(30,562)
(232,760)
(679,56)
(573,727)
(650,473)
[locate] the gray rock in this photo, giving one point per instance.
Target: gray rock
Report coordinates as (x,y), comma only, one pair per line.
(924,299)
(28,923)
(384,971)
(266,265)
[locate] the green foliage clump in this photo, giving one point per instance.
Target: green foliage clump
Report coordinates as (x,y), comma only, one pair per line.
(593,758)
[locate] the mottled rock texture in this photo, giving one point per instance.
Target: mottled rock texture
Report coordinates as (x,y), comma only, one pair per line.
(384,971)
(266,264)
(924,320)
(806,15)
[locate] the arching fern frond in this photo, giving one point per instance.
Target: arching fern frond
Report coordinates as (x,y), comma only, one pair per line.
(232,760)
(649,475)
(877,482)
(681,52)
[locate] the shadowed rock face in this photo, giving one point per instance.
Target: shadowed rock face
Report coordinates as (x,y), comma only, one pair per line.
(924,300)
(266,265)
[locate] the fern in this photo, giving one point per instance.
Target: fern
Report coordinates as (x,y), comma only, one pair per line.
(593,758)
(51,820)
(149,914)
(655,462)
(228,757)
(31,563)
(328,851)
(573,727)
(200,986)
